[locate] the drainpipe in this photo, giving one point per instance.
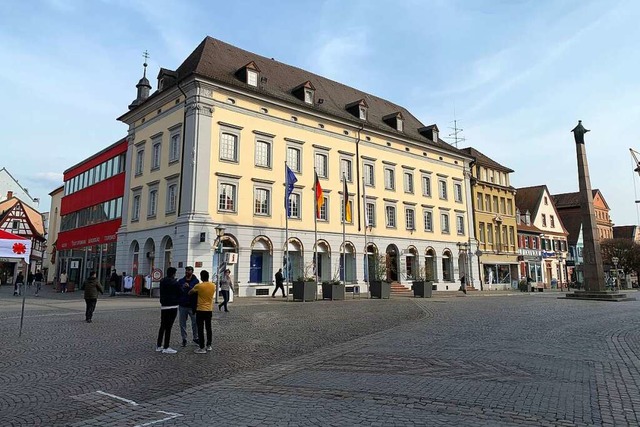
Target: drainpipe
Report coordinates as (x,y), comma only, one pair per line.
(358,173)
(184,125)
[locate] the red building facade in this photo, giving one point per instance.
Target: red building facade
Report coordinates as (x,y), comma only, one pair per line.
(91,212)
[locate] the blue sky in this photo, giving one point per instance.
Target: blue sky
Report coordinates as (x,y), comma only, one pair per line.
(517,74)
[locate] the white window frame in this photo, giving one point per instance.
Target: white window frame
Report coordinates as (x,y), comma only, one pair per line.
(135,206)
(308,96)
(369,178)
(297,197)
(362,112)
(389,184)
(390,221)
(346,168)
(260,212)
(324,210)
(445,225)
(371,213)
(427,220)
(297,167)
(172,198)
(252,78)
(442,189)
(268,161)
(408,182)
(152,205)
(410,218)
(139,163)
(174,147)
(426,185)
(460,225)
(223,184)
(457,192)
(156,154)
(224,140)
(323,172)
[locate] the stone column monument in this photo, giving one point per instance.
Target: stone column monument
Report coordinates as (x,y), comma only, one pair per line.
(594,287)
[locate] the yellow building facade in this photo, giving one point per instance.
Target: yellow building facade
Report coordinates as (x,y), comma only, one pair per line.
(494,215)
(208,149)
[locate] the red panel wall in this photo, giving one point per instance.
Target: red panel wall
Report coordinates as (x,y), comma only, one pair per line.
(88,236)
(102,157)
(108,189)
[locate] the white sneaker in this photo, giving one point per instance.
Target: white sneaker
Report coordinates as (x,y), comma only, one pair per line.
(200,351)
(159,349)
(169,350)
(209,348)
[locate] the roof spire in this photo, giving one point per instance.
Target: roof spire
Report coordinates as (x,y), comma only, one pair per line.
(143,85)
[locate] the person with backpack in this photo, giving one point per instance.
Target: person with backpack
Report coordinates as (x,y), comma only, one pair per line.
(91,288)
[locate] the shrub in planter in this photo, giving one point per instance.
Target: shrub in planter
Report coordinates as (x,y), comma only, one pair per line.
(333,290)
(379,286)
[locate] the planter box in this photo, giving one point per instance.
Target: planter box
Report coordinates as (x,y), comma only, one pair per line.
(304,291)
(380,289)
(333,291)
(422,289)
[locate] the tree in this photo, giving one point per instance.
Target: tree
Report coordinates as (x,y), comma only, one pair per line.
(627,252)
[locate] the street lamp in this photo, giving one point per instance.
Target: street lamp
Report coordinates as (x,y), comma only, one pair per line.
(465,248)
(218,248)
(615,261)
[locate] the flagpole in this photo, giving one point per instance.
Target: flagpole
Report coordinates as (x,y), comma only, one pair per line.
(366,225)
(345,200)
(315,227)
(286,228)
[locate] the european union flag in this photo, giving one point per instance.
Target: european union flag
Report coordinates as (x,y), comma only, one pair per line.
(289,179)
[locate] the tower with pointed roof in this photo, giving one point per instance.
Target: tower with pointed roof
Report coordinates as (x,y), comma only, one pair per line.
(143,86)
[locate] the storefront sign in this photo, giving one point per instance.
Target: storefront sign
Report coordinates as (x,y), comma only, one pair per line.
(88,236)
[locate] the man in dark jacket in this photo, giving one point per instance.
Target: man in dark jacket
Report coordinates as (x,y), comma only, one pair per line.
(169,301)
(91,288)
(279,284)
(38,278)
(188,306)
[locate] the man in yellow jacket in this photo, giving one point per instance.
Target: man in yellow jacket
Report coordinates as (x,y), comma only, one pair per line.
(206,291)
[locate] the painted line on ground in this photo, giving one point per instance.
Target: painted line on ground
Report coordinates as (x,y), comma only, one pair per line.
(172,416)
(129,401)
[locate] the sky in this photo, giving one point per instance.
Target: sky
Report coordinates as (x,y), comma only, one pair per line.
(516,75)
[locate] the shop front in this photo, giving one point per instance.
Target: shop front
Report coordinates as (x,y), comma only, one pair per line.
(499,271)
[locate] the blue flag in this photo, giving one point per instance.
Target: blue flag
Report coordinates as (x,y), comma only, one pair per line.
(289,179)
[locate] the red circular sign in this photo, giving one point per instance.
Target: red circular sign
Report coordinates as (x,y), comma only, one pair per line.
(156,274)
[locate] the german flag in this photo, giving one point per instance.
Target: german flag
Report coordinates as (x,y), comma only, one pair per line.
(319,196)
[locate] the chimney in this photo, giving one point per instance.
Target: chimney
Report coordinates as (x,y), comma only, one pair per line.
(9,194)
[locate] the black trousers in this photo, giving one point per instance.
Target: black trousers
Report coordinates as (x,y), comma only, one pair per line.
(167,317)
(280,286)
(225,299)
(203,319)
(91,306)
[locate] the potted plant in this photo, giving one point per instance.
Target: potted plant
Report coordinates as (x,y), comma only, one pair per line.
(421,287)
(305,287)
(379,286)
(333,289)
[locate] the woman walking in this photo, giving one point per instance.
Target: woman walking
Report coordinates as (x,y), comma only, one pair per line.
(205,290)
(91,288)
(225,286)
(169,295)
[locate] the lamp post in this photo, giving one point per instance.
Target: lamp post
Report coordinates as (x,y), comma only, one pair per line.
(464,247)
(615,261)
(559,260)
(218,248)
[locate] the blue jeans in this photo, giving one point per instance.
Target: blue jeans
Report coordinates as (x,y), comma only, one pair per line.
(183,313)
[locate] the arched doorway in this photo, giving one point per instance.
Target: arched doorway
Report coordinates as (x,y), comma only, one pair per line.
(348,264)
(261,260)
(229,245)
(430,265)
(323,265)
(463,265)
(294,266)
(149,257)
(134,255)
(370,260)
(393,259)
(412,263)
(447,266)
(167,250)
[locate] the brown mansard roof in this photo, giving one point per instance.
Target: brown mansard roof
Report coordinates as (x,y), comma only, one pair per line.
(484,160)
(220,62)
(570,200)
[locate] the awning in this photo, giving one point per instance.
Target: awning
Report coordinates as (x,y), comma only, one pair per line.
(12,246)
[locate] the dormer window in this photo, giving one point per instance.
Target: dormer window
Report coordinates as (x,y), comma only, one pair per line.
(308,96)
(252,78)
(362,113)
(305,92)
(358,109)
(395,120)
(249,74)
(430,132)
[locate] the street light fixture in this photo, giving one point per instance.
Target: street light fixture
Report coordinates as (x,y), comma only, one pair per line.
(218,248)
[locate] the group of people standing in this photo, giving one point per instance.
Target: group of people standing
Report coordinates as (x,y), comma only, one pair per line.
(32,280)
(189,298)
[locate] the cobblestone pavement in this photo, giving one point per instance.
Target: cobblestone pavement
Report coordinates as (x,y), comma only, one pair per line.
(517,359)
